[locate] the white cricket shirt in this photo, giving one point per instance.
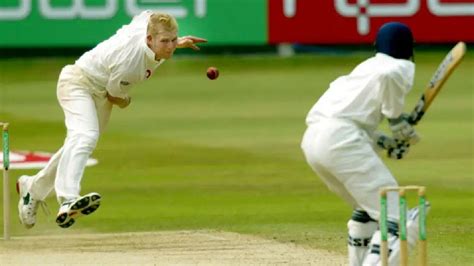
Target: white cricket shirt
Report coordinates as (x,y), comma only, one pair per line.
(375,89)
(123,60)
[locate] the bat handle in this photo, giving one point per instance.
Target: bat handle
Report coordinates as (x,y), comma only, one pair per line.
(415,117)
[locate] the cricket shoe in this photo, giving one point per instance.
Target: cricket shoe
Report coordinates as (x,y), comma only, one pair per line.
(414,212)
(413,225)
(27,205)
(73,209)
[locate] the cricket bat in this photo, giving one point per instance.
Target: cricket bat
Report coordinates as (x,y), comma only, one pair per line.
(447,66)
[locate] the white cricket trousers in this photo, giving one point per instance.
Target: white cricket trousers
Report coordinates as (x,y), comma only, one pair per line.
(87,111)
(342,155)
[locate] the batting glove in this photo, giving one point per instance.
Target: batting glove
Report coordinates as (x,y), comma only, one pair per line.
(396,149)
(402,130)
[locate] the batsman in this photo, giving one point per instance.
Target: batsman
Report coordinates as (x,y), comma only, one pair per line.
(341,142)
(87,91)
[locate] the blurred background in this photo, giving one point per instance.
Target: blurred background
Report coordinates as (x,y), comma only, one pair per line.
(191,153)
(52,27)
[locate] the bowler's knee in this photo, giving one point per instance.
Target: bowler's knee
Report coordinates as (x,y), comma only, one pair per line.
(85,139)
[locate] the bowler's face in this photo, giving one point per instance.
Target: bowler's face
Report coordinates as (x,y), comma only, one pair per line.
(163,44)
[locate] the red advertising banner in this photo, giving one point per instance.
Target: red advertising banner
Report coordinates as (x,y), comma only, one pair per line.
(357,21)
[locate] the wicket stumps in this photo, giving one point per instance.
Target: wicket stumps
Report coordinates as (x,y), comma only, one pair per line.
(403,224)
(6,185)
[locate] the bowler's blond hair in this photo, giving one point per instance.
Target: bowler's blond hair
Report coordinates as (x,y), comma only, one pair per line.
(161,21)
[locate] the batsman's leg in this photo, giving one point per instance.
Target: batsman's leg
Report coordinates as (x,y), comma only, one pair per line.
(373,257)
(361,228)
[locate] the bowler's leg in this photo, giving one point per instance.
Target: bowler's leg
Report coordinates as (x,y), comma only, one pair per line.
(82,135)
(34,189)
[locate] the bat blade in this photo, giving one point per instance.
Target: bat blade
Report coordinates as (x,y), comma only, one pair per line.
(442,73)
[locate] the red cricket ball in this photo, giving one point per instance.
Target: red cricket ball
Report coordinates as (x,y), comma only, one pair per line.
(212,73)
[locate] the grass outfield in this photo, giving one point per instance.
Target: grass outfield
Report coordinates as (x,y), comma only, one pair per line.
(190,153)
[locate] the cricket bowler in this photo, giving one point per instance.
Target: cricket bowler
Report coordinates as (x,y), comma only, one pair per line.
(87,91)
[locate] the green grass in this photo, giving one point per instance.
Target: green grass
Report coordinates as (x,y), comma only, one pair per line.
(190,153)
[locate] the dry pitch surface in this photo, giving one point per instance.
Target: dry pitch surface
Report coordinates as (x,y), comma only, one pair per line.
(160,248)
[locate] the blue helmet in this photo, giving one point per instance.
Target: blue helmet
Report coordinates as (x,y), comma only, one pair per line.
(395,39)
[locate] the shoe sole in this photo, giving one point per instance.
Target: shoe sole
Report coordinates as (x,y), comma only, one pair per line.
(20,203)
(84,206)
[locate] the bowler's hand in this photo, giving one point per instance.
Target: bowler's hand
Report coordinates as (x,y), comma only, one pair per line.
(120,102)
(190,42)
